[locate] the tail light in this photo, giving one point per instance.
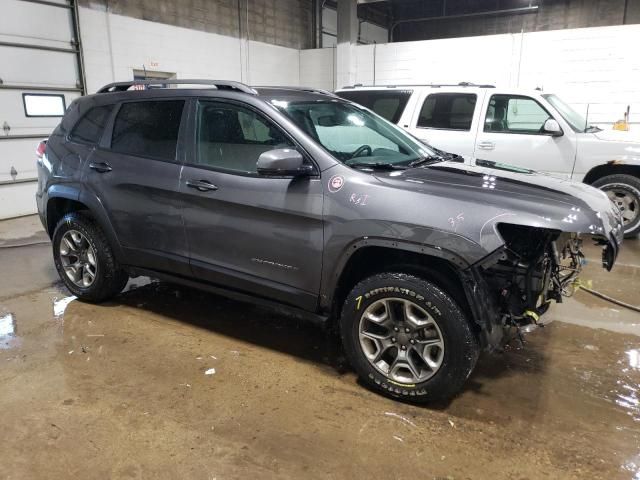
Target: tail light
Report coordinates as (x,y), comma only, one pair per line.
(41,148)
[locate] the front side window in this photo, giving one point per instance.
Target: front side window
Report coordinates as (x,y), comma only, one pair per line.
(448,111)
(388,104)
(90,127)
(354,135)
(231,137)
(515,114)
(148,129)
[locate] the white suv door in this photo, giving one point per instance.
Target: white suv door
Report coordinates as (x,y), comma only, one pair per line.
(448,120)
(512,131)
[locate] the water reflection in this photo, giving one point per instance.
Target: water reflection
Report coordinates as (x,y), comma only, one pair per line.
(7,330)
(633,467)
(634,358)
(627,395)
(60,305)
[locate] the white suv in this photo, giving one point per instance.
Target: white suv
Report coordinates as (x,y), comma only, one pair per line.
(529,129)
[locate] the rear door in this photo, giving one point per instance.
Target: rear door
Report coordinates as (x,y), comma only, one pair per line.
(40,77)
(448,120)
(135,174)
(251,233)
(512,132)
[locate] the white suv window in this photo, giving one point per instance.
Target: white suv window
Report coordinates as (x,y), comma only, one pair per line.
(448,111)
(515,114)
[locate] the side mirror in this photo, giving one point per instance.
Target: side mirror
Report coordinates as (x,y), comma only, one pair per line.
(552,127)
(283,162)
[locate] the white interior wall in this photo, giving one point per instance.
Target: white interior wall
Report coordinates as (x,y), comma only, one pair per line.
(317,68)
(115,45)
(598,67)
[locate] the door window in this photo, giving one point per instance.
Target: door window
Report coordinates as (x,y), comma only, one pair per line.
(448,111)
(90,127)
(148,129)
(389,105)
(515,114)
(231,137)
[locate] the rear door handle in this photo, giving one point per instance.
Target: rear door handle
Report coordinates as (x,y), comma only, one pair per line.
(201,185)
(486,145)
(101,167)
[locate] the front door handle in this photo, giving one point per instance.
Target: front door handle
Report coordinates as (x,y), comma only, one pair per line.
(100,167)
(201,185)
(486,145)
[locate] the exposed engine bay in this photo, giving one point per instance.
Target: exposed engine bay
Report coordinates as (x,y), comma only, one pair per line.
(536,267)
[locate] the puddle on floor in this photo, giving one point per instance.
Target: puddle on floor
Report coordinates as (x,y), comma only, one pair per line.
(129,380)
(7,330)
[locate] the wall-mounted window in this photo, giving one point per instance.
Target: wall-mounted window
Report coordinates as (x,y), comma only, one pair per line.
(43,105)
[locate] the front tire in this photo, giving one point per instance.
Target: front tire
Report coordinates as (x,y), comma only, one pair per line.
(624,191)
(85,260)
(406,338)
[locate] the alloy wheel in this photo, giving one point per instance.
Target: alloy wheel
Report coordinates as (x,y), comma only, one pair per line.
(401,340)
(78,258)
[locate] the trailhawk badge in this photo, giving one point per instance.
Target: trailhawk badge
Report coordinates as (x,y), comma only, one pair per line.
(335,183)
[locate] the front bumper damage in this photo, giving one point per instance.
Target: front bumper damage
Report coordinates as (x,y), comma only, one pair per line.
(514,286)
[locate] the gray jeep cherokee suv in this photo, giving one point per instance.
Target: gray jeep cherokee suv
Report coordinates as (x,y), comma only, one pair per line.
(296,199)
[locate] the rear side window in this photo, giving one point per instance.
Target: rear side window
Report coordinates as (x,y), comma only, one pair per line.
(90,127)
(448,111)
(148,129)
(388,104)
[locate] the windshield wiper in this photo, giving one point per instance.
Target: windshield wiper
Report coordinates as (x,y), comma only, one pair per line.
(376,166)
(592,129)
(427,160)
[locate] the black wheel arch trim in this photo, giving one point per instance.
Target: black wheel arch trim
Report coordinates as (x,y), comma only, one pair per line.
(476,290)
(95,207)
(330,280)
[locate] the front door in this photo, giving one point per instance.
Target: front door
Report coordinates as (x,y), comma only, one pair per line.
(260,235)
(135,174)
(512,132)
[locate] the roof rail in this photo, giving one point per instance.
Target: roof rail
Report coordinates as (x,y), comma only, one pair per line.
(435,85)
(301,89)
(219,84)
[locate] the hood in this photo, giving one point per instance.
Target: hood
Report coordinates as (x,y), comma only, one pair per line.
(519,196)
(618,136)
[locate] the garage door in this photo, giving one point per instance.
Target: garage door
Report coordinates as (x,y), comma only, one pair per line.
(40,74)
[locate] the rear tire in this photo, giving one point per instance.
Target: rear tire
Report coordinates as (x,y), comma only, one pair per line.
(85,260)
(624,191)
(406,338)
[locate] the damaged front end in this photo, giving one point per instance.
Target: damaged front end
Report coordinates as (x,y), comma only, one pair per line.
(517,282)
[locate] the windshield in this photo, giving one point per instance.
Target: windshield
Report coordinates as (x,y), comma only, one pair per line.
(353,135)
(573,118)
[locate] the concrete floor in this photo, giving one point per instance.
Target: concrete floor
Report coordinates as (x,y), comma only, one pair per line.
(121,390)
